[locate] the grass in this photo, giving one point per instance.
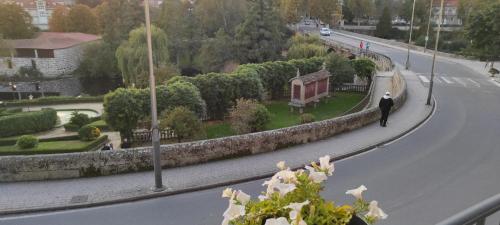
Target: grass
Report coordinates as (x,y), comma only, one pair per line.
(54,147)
(282,117)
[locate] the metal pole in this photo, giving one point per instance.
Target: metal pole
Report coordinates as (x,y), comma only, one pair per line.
(154,117)
(428,25)
(431,84)
(411,32)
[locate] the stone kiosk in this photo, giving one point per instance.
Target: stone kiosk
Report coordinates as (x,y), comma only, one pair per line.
(309,88)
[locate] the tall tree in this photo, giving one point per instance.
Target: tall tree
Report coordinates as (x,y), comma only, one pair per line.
(215,52)
(132,55)
(323,9)
(82,19)
(384,25)
(483,30)
(421,10)
(291,10)
(117,18)
(59,19)
(5,48)
(214,14)
(260,37)
(15,23)
(360,8)
(89,3)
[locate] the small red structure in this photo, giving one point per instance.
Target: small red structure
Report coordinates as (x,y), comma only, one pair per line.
(309,88)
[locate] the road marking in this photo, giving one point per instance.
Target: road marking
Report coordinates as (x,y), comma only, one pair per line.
(474,82)
(495,83)
(424,79)
(446,80)
(459,81)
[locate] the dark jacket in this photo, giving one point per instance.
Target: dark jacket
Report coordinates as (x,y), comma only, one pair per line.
(385,104)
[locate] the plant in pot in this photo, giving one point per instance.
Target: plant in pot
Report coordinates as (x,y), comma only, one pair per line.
(293,198)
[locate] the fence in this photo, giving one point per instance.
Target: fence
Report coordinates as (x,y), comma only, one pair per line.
(352,88)
(145,136)
(476,214)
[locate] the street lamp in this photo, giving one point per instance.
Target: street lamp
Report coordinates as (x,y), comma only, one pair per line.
(155,137)
(431,84)
(411,32)
(428,25)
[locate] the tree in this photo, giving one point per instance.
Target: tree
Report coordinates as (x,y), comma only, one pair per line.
(340,68)
(364,68)
(5,48)
(249,116)
(260,37)
(59,19)
(305,47)
(123,110)
(323,9)
(15,23)
(421,11)
(384,26)
(220,14)
(360,8)
(215,52)
(483,30)
(89,3)
(183,122)
(132,55)
(82,19)
(291,10)
(117,18)
(98,70)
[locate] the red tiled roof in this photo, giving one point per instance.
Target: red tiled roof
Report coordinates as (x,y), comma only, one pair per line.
(54,40)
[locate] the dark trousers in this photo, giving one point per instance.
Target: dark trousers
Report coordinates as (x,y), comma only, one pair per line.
(385,116)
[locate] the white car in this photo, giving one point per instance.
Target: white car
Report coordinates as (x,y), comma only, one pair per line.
(325,31)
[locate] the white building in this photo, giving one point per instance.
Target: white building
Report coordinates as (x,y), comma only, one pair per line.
(450,13)
(52,53)
(40,10)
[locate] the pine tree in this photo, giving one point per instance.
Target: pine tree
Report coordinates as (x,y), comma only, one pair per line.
(260,37)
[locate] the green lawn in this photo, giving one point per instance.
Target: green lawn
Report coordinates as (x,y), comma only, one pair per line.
(54,147)
(282,117)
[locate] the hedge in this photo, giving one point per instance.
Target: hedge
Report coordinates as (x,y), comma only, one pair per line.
(12,140)
(90,146)
(27,122)
(53,100)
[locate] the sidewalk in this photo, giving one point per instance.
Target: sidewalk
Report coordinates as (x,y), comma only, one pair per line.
(64,194)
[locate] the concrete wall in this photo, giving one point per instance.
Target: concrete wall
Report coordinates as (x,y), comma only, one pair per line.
(23,168)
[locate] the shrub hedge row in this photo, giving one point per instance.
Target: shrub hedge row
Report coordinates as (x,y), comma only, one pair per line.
(91,145)
(12,140)
(53,100)
(27,122)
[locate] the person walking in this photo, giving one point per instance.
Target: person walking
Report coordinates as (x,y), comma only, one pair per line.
(361,45)
(367,46)
(385,106)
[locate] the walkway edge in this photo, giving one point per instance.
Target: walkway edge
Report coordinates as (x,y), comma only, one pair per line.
(152,194)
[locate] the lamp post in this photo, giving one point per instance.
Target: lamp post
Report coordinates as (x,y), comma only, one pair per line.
(411,32)
(155,137)
(431,84)
(428,25)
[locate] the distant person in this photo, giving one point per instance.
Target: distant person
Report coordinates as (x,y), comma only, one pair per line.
(361,45)
(367,46)
(125,144)
(111,146)
(385,106)
(106,147)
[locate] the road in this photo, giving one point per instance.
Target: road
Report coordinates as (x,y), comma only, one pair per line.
(449,164)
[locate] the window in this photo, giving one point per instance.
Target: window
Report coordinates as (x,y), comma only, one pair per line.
(25,53)
(45,53)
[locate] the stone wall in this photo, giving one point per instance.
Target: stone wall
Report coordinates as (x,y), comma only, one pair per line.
(58,166)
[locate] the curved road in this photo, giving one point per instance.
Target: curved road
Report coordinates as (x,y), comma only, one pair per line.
(449,164)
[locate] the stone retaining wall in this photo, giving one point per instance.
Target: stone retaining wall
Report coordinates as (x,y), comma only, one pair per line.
(85,164)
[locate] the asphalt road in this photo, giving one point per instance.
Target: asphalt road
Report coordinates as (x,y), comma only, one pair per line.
(449,164)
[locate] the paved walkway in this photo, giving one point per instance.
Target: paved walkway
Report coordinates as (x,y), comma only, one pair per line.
(28,196)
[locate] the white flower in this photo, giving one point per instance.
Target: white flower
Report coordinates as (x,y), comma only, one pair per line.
(232,212)
(325,165)
(284,188)
(358,192)
(294,214)
(227,193)
(242,197)
(271,184)
(281,165)
(262,197)
(287,176)
(275,184)
(375,212)
(279,221)
(315,176)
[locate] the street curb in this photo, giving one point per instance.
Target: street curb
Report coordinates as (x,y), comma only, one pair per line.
(194,189)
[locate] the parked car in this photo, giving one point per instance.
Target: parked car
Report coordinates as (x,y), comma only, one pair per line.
(325,31)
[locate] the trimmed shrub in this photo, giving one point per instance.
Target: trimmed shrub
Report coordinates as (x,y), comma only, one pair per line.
(249,116)
(340,68)
(79,119)
(71,127)
(183,122)
(27,122)
(54,100)
(27,141)
(307,118)
(89,133)
(92,145)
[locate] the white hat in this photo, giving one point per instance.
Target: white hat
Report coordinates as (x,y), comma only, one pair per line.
(388,93)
